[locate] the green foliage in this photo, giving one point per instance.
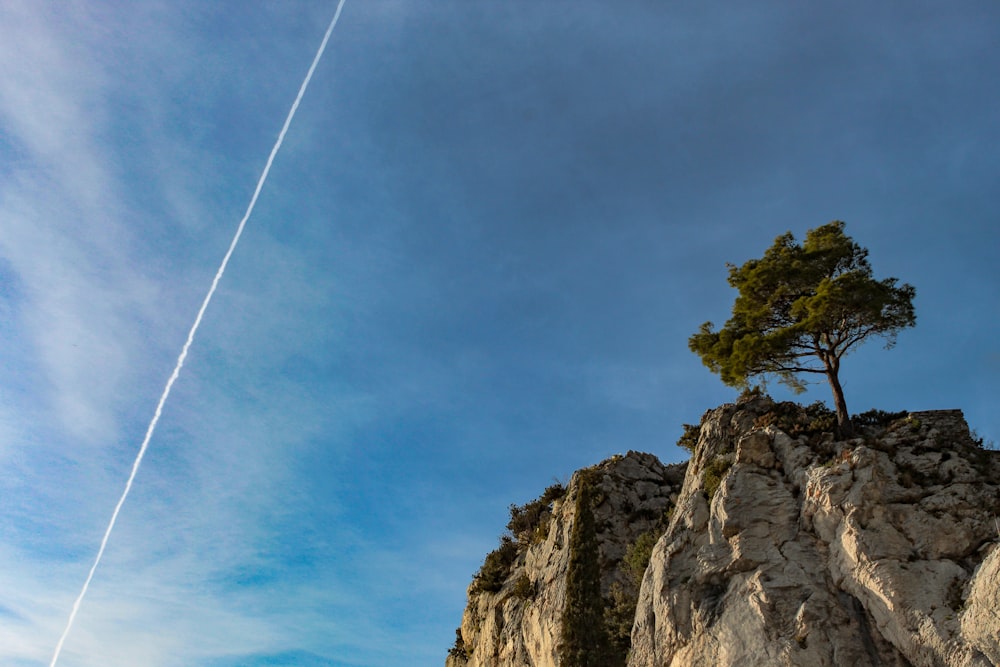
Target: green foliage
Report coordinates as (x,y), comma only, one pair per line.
(749,393)
(908,424)
(553,493)
(529,523)
(496,568)
(459,650)
(877,418)
(982,442)
(795,420)
(713,474)
(584,640)
(689,439)
(524,588)
(619,610)
(619,615)
(800,309)
(821,418)
(637,556)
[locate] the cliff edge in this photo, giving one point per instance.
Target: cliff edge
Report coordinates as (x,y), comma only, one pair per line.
(776,543)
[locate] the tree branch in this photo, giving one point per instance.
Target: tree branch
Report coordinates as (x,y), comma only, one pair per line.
(781,368)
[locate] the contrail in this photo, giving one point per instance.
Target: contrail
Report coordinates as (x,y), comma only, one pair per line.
(194,330)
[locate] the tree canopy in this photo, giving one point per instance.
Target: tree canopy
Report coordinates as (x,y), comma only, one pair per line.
(800,309)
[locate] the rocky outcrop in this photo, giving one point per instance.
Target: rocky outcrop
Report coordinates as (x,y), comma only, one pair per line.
(520,623)
(880,550)
(784,546)
(981,618)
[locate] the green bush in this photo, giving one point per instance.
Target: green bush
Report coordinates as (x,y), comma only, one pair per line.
(496,567)
(689,439)
(529,523)
(524,588)
(877,418)
(821,418)
(796,420)
(459,650)
(982,442)
(619,607)
(619,615)
(713,474)
(750,393)
(637,556)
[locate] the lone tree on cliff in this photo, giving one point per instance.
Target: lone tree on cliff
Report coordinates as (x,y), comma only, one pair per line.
(800,309)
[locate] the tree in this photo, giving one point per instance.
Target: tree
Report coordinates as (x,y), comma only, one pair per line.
(800,309)
(584,637)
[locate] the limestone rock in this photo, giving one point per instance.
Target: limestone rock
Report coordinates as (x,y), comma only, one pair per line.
(507,628)
(785,546)
(981,618)
(813,551)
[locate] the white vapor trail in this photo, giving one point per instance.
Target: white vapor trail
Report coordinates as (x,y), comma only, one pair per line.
(194,330)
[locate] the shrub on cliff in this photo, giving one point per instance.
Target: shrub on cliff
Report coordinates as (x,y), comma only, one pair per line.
(459,652)
(619,610)
(689,439)
(529,523)
(713,474)
(877,418)
(496,567)
(796,420)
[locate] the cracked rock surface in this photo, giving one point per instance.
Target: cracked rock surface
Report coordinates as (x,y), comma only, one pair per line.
(880,550)
(506,629)
(784,546)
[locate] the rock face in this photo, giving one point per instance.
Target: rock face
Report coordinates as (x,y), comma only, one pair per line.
(520,624)
(785,546)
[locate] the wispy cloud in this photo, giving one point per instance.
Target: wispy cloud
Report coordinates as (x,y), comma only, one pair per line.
(66,235)
(98,318)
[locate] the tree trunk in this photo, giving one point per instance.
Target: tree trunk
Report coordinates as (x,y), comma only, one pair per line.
(845,428)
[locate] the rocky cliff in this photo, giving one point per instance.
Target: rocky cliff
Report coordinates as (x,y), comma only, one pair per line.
(516,610)
(776,544)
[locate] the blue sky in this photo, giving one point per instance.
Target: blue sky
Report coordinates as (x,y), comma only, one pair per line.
(473,269)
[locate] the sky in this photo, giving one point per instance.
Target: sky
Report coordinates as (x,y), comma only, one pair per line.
(473,269)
